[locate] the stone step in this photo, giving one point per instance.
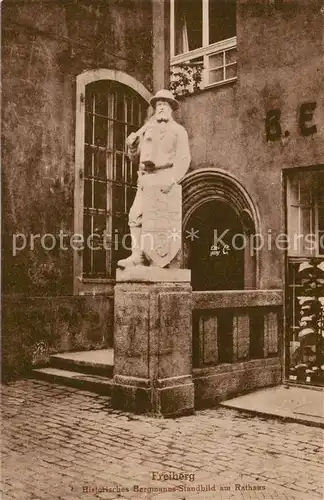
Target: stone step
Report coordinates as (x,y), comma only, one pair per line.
(95,362)
(94,383)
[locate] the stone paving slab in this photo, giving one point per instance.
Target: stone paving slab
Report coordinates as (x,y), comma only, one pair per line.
(65,444)
(298,404)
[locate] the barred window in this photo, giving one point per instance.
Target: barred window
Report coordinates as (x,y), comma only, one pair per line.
(112,112)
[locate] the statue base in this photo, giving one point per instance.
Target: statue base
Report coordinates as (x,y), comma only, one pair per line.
(153,342)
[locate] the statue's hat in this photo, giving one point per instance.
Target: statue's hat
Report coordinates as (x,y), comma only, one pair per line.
(165,95)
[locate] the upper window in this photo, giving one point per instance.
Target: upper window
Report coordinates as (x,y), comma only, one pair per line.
(203,35)
(112,112)
(221,20)
(187,25)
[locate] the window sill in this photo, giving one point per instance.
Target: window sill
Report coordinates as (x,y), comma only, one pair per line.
(95,286)
(219,84)
(186,57)
(99,280)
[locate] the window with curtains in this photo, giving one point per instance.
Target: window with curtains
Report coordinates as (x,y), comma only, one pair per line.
(203,32)
(305,231)
(112,112)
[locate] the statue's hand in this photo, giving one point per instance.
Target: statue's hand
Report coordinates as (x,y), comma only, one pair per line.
(149,166)
(167,189)
(132,139)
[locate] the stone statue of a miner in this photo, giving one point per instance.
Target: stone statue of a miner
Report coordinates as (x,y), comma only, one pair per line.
(162,148)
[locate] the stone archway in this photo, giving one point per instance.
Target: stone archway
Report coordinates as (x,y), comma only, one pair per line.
(215,189)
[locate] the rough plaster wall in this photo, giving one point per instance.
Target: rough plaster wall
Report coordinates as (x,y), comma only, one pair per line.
(115,34)
(37,156)
(280,65)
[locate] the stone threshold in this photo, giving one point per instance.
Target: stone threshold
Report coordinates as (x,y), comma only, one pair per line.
(312,387)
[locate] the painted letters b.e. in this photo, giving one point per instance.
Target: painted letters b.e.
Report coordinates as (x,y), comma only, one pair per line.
(306,127)
(305,116)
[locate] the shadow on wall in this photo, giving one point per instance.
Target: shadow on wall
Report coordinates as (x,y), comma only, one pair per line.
(35,328)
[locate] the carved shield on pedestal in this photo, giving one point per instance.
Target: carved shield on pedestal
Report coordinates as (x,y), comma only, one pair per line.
(161,225)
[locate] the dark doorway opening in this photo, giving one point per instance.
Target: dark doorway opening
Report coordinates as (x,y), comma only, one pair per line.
(216,254)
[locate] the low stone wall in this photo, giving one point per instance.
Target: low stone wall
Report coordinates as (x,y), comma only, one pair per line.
(216,383)
(237,343)
(35,327)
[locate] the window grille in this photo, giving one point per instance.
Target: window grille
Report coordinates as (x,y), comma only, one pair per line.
(112,112)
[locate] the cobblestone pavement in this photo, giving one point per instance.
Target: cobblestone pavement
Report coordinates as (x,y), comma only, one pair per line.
(62,443)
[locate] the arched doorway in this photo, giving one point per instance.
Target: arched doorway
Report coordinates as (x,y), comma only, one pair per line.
(214,201)
(215,264)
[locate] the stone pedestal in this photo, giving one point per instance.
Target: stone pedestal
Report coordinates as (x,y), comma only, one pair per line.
(153,341)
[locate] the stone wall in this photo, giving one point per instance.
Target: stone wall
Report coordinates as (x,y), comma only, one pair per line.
(242,353)
(217,383)
(34,328)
